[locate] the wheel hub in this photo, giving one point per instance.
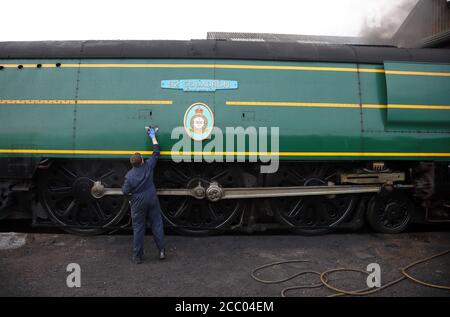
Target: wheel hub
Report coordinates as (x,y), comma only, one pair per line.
(214,192)
(196,187)
(390,213)
(82,189)
(199,192)
(393,211)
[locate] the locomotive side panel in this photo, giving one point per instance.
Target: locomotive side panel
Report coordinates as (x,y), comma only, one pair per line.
(129,96)
(418,96)
(36,107)
(324,110)
(410,140)
(315,105)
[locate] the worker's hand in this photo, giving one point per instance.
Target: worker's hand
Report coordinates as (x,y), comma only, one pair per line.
(151,133)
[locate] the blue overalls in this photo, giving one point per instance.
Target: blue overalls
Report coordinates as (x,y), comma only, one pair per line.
(144,203)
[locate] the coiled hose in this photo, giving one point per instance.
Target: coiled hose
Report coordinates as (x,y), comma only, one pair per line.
(324,281)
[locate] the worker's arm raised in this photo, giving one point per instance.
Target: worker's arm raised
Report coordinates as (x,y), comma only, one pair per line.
(156,149)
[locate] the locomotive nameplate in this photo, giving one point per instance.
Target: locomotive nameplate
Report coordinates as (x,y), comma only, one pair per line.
(198,121)
(199,84)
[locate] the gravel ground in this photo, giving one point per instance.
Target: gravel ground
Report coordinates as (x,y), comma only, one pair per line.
(34,264)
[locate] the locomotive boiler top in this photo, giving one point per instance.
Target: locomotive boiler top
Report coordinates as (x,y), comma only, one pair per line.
(216,49)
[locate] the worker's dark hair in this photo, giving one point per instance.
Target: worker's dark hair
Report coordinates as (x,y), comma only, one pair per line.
(136,159)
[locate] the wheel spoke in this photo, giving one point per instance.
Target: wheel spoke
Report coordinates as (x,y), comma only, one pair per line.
(212,212)
(220,175)
(296,175)
(66,170)
(60,190)
(59,196)
(295,210)
(107,174)
(98,210)
(320,170)
(180,173)
(175,176)
(64,173)
(181,210)
(69,209)
(330,176)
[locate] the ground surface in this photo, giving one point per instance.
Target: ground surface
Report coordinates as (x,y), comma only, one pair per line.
(34,264)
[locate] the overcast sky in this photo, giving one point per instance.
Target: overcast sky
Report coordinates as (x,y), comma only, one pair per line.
(190,19)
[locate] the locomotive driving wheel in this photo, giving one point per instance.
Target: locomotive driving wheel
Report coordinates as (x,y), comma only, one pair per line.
(199,216)
(309,215)
(390,213)
(65,192)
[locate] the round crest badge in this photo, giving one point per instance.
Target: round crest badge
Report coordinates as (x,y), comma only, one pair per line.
(198,121)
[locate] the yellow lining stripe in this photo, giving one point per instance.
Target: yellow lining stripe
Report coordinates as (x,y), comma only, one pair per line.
(404,72)
(368,154)
(222,66)
(289,104)
(302,104)
(129,152)
(28,65)
(374,106)
(228,66)
(85,102)
(236,66)
(395,106)
(229,103)
(335,105)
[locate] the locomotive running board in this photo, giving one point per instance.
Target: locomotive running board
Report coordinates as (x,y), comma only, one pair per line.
(215,193)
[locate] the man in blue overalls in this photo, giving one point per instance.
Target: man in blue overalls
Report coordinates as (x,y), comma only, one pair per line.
(144,201)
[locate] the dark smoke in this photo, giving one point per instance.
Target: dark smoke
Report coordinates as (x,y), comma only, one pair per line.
(389,23)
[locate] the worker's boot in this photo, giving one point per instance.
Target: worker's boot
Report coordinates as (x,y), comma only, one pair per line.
(137,259)
(162,254)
